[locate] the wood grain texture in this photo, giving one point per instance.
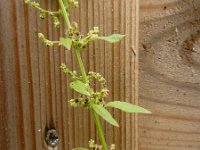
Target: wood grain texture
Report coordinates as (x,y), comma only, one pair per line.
(170,75)
(34,93)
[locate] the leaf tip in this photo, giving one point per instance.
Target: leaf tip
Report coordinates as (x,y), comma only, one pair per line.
(117,125)
(148,112)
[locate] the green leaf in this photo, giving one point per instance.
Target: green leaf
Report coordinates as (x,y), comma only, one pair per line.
(79,87)
(112,38)
(80,148)
(127,107)
(101,111)
(66,42)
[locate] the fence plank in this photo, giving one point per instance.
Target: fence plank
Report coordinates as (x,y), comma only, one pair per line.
(34,91)
(170,75)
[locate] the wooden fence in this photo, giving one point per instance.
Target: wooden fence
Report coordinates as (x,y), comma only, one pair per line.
(34,92)
(169,77)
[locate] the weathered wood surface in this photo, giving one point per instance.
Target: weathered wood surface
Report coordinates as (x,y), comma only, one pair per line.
(34,91)
(169,77)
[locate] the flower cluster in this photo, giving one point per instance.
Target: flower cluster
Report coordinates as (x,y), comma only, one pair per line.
(96,76)
(44,40)
(56,21)
(85,101)
(79,102)
(95,146)
(80,41)
(96,97)
(73,74)
(43,12)
(74,3)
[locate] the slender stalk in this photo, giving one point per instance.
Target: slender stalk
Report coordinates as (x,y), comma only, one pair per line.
(96,117)
(100,130)
(65,2)
(47,11)
(82,69)
(81,66)
(64,13)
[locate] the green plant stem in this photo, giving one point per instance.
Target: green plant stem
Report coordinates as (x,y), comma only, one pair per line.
(82,69)
(96,117)
(81,66)
(65,2)
(46,11)
(64,13)
(100,130)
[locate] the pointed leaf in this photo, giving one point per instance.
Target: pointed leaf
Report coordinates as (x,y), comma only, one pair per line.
(127,107)
(79,87)
(112,38)
(66,42)
(80,148)
(101,111)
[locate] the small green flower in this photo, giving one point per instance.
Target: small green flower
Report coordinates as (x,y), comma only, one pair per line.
(27,1)
(42,14)
(44,40)
(92,144)
(35,4)
(96,30)
(112,147)
(56,21)
(74,3)
(41,36)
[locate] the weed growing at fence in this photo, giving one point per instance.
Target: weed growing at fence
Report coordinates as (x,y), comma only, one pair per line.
(89,98)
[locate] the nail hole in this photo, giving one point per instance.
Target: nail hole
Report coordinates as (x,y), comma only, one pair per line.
(52,139)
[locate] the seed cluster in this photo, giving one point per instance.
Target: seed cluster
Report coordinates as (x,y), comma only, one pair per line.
(95,146)
(98,77)
(96,97)
(43,12)
(44,40)
(85,101)
(80,41)
(73,73)
(74,3)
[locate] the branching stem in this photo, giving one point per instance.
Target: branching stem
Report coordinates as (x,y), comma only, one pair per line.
(83,72)
(96,117)
(64,13)
(46,11)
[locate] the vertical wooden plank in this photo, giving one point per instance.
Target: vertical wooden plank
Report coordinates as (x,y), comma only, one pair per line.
(135,69)
(41,71)
(11,80)
(116,69)
(4,107)
(25,78)
(108,60)
(122,73)
(36,92)
(99,45)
